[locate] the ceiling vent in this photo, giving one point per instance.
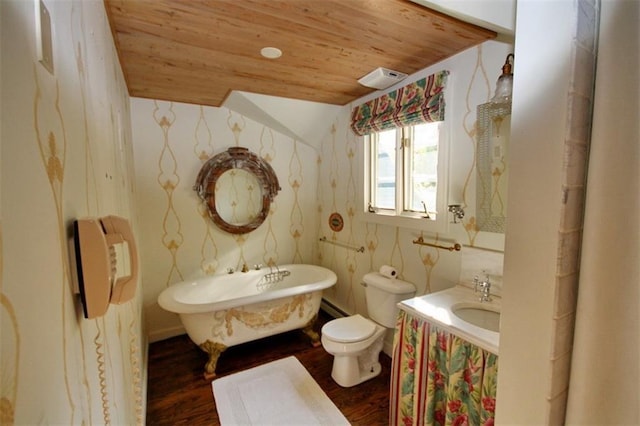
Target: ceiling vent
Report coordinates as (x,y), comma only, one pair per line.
(381,78)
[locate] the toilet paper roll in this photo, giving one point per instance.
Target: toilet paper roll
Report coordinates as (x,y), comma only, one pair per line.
(388,271)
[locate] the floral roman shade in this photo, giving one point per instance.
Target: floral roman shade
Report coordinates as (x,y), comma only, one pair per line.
(418,102)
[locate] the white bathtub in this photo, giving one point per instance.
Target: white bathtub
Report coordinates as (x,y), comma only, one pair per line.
(225,310)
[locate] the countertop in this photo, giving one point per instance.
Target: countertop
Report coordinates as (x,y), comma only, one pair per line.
(436,309)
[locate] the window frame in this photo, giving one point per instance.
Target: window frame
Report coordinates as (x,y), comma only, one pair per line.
(399,216)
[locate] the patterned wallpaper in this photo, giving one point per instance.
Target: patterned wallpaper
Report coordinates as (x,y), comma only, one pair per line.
(472,82)
(179,240)
(66,153)
(172,141)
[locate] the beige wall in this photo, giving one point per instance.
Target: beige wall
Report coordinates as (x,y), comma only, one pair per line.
(551,122)
(66,153)
(179,240)
(472,82)
(171,141)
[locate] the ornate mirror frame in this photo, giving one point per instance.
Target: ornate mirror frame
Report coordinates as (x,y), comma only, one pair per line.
(494,127)
(236,158)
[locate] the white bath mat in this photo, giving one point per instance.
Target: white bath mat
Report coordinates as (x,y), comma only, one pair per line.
(281,392)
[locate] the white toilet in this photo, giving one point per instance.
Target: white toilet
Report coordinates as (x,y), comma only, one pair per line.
(355,341)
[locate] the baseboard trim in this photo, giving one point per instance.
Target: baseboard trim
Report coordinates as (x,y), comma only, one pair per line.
(166,333)
(325,305)
(332,309)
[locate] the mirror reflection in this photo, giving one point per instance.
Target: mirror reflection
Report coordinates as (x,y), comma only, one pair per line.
(494,127)
(238,197)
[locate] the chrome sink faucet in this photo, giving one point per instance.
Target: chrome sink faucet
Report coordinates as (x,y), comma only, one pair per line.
(485,288)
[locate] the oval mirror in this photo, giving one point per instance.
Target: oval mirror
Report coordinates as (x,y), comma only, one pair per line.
(238,197)
(237,186)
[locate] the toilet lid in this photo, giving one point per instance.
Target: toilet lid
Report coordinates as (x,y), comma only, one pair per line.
(349,329)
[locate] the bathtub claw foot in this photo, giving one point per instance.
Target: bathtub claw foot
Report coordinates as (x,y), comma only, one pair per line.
(309,331)
(214,350)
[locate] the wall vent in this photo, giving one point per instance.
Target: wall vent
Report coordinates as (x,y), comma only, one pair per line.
(381,78)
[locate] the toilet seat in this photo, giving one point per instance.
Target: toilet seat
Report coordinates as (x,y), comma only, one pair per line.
(349,329)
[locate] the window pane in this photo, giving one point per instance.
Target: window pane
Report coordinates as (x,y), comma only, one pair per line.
(385,170)
(422,174)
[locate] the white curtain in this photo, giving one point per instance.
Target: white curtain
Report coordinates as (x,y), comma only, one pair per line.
(605,372)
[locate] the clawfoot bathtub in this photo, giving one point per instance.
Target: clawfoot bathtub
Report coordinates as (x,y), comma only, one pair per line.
(226,310)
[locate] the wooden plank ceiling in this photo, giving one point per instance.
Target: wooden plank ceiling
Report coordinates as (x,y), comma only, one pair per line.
(198,51)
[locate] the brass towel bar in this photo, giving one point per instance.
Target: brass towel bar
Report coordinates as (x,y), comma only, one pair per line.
(347,246)
(421,241)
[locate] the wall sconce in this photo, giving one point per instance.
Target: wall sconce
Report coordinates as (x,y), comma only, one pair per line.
(504,85)
(458,212)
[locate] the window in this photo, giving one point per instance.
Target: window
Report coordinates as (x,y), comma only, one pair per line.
(407,174)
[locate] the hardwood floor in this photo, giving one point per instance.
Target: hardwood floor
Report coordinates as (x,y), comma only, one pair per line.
(178,394)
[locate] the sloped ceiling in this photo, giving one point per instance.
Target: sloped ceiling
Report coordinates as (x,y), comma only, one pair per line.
(199,51)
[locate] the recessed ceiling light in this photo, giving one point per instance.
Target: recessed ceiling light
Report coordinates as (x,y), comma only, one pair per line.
(271,52)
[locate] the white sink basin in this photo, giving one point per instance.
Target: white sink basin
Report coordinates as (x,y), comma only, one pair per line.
(458,311)
(484,316)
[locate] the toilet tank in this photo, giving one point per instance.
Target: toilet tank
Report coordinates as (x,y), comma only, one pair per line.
(383,294)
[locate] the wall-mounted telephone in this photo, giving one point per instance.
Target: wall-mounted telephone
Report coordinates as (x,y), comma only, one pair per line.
(96,262)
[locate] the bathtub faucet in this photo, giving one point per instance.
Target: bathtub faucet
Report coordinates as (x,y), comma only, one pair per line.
(245,268)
